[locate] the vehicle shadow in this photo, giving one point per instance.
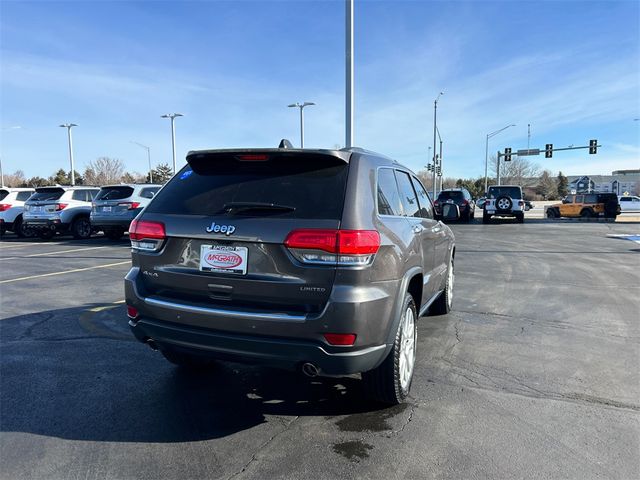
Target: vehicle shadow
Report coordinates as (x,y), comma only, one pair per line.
(79,375)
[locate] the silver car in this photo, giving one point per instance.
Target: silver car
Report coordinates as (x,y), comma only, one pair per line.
(116,206)
(60,209)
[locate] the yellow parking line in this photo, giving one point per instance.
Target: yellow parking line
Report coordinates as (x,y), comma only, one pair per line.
(52,253)
(64,271)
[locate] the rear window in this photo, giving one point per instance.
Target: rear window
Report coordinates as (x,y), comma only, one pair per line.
(513,192)
(455,195)
(3,193)
(43,194)
(312,186)
(149,192)
(23,196)
(114,193)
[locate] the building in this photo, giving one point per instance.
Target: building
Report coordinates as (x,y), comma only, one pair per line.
(619,182)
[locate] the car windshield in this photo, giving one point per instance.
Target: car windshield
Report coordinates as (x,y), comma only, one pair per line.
(513,192)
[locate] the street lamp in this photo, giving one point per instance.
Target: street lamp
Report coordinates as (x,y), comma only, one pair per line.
(486,155)
(435,111)
(301,107)
(173,116)
(16,127)
(440,158)
(69,126)
(148,149)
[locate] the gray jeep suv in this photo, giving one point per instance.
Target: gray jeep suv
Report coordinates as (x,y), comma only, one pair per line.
(315,260)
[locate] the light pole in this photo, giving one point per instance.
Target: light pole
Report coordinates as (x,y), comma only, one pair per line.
(348,54)
(16,127)
(440,158)
(486,156)
(69,126)
(301,107)
(173,116)
(435,126)
(148,149)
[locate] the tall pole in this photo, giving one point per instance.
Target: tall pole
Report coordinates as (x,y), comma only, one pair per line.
(441,176)
(486,156)
(148,149)
(69,126)
(173,116)
(301,107)
(1,174)
(348,141)
(435,116)
(498,167)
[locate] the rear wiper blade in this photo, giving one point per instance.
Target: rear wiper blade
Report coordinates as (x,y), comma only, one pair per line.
(244,206)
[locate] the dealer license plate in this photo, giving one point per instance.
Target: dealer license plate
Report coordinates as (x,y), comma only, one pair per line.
(224,259)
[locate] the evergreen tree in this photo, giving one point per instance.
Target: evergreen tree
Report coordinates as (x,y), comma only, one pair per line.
(162,173)
(563,185)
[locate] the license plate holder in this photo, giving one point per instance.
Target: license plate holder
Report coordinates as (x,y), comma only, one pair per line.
(224,259)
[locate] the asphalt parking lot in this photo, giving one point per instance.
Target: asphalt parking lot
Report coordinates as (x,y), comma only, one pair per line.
(534,374)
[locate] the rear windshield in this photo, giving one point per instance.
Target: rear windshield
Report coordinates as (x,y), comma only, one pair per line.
(454,195)
(311,187)
(114,193)
(495,192)
(43,194)
(3,193)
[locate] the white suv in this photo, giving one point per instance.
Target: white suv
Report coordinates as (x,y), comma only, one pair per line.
(60,209)
(11,207)
(504,201)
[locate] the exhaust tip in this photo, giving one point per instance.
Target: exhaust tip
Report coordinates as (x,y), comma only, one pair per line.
(152,343)
(310,370)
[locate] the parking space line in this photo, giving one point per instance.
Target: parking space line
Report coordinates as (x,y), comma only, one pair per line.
(53,253)
(64,271)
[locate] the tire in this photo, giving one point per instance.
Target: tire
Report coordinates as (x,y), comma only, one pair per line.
(186,360)
(81,228)
(504,204)
(390,382)
(520,217)
(466,217)
(442,305)
(486,218)
(20,229)
(114,234)
(551,213)
(586,214)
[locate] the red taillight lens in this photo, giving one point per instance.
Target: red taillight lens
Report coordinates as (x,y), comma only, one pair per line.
(465,202)
(132,312)
(436,202)
(343,247)
(142,230)
(61,206)
(358,242)
(345,339)
(129,205)
(4,206)
(256,157)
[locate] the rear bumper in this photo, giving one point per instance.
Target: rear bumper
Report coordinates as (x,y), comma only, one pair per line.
(100,222)
(276,339)
(46,224)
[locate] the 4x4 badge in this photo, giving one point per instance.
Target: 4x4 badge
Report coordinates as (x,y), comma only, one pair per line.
(226,229)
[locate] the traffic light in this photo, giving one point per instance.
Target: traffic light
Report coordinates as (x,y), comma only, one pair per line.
(429,167)
(593,147)
(507,154)
(548,150)
(439,171)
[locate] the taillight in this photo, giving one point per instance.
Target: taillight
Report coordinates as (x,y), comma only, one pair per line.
(61,206)
(436,202)
(146,235)
(4,206)
(344,339)
(521,203)
(129,205)
(465,202)
(132,312)
(342,247)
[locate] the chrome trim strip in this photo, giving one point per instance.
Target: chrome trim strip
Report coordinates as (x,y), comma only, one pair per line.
(154,302)
(355,353)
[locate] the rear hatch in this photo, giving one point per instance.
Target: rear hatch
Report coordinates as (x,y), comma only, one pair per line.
(114,201)
(226,217)
(44,202)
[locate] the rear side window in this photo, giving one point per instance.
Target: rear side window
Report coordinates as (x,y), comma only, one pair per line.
(310,187)
(3,193)
(591,199)
(407,195)
(44,194)
(114,193)
(23,196)
(149,192)
(388,197)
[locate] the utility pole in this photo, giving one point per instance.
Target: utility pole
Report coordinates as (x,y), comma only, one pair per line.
(148,149)
(435,126)
(173,116)
(348,141)
(301,107)
(69,126)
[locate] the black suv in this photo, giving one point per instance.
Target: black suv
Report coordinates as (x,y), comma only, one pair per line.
(315,260)
(459,196)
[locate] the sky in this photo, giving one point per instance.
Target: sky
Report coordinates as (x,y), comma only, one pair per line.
(570,69)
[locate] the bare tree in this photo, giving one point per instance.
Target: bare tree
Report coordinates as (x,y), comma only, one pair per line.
(15,179)
(515,171)
(104,171)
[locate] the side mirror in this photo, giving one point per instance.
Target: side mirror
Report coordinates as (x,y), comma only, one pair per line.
(450,211)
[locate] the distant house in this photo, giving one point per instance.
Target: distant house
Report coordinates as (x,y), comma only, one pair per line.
(619,182)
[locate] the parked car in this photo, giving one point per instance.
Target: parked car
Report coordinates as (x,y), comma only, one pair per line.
(11,208)
(115,206)
(528,205)
(504,201)
(629,203)
(588,205)
(60,209)
(480,202)
(460,197)
(291,258)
